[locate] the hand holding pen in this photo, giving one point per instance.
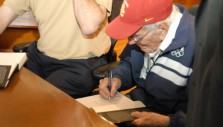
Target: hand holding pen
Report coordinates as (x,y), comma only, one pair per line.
(109,84)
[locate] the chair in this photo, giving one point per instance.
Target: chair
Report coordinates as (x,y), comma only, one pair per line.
(111,56)
(21,47)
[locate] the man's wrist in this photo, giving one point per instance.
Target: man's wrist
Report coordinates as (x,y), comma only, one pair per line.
(166,121)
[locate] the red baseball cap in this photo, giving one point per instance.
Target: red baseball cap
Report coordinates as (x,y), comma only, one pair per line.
(136,13)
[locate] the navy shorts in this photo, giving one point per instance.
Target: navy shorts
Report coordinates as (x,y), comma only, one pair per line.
(73,76)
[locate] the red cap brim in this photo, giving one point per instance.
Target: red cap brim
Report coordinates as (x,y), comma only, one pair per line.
(118,29)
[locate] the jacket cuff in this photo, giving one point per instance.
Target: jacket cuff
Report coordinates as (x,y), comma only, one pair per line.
(178,119)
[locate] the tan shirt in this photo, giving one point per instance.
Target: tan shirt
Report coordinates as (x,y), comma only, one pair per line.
(60,35)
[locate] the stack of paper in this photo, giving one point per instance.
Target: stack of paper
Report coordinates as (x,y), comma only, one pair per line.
(12,61)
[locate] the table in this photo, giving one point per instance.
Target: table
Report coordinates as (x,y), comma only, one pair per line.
(29,101)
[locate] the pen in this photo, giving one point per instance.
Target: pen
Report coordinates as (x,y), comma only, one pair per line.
(109,83)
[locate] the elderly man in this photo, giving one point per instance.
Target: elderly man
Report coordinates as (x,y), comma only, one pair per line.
(157,59)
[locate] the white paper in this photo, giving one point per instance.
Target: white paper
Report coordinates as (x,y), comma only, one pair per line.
(15,60)
(100,104)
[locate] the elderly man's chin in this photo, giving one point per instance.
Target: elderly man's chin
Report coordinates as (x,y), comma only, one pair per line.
(146,50)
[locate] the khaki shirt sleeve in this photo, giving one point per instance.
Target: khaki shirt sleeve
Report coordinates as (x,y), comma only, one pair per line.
(18,6)
(107,4)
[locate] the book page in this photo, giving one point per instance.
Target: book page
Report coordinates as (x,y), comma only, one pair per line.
(96,100)
(100,104)
(119,106)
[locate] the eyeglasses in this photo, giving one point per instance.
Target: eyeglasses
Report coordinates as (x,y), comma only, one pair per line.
(137,39)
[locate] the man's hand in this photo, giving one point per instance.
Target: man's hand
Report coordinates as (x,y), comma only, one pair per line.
(103,87)
(150,119)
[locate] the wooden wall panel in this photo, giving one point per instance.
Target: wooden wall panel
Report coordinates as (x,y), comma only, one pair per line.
(13,36)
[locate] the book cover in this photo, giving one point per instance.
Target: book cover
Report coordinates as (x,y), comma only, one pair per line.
(121,116)
(116,110)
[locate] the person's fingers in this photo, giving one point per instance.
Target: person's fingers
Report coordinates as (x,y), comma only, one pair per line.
(103,95)
(150,119)
(103,88)
(136,115)
(141,119)
(138,122)
(113,91)
(116,84)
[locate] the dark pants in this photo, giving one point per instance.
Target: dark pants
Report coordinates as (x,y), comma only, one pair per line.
(73,76)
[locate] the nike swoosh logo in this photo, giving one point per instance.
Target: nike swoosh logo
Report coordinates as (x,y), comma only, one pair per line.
(147,20)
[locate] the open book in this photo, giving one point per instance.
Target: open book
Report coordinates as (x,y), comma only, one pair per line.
(116,110)
(10,62)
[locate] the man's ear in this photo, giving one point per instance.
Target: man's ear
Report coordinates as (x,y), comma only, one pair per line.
(163,28)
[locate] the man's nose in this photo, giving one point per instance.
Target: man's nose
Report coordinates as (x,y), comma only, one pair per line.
(131,42)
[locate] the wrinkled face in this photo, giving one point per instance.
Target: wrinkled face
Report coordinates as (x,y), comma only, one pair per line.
(148,40)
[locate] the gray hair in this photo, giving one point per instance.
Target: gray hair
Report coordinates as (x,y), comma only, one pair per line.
(169,19)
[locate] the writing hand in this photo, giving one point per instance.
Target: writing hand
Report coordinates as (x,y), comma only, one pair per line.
(103,87)
(109,83)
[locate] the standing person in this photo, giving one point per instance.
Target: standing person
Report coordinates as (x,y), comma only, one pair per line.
(157,59)
(72,40)
(205,107)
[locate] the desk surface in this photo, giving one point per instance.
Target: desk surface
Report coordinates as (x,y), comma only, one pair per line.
(30,101)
